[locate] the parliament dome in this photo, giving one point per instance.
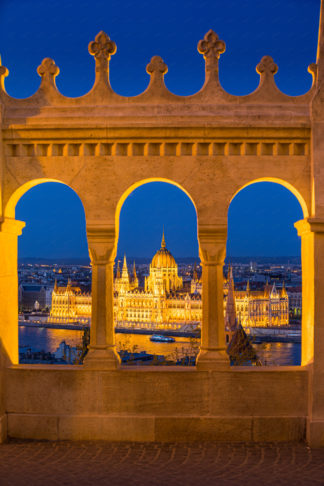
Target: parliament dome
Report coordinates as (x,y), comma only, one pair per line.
(163,258)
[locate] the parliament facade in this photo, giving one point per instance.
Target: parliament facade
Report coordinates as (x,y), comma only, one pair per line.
(164,301)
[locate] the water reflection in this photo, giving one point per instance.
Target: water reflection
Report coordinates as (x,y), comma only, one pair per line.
(48,340)
(279,354)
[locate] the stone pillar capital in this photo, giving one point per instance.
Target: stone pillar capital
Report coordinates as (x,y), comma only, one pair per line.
(101,242)
(309,225)
(12,226)
(212,243)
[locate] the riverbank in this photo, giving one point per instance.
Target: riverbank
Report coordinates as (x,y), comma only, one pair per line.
(118,330)
(288,334)
(53,325)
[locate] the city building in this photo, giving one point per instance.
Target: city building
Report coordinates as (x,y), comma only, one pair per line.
(31,297)
(70,304)
(165,303)
(295,301)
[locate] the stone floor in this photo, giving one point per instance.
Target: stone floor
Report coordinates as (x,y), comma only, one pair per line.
(28,463)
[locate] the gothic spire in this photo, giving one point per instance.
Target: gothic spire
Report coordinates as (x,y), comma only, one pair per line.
(230,316)
(134,271)
(125,269)
(163,240)
(267,289)
(229,272)
(195,274)
(283,291)
(118,270)
(274,293)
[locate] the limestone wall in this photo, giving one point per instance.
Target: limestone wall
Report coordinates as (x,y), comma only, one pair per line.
(61,402)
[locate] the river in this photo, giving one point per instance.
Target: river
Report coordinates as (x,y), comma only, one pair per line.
(48,340)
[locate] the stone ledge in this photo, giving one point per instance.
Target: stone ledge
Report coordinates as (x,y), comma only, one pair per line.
(151,428)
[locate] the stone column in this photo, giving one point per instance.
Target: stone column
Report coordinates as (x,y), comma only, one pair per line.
(102,352)
(10,230)
(312,234)
(307,259)
(212,249)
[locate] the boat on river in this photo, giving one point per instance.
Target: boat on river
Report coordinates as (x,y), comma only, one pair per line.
(158,338)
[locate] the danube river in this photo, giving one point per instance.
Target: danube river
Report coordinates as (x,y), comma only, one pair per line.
(48,340)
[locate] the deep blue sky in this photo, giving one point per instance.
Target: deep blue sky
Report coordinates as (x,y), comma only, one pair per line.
(257,227)
(32,29)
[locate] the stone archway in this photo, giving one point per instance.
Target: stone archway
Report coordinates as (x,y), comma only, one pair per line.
(211,143)
(11,230)
(307,335)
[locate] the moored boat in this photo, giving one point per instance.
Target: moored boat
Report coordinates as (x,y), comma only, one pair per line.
(158,338)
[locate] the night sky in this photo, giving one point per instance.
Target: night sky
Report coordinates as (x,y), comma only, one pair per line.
(261,216)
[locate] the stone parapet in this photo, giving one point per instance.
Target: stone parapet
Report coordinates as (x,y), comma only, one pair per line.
(156,404)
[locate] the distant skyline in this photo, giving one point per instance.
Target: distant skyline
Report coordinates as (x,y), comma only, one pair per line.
(31,30)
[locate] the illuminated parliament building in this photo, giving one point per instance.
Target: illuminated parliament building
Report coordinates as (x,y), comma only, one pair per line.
(164,301)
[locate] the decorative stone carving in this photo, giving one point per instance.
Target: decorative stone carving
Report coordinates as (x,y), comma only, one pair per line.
(48,67)
(157,66)
(102,48)
(211,47)
(267,66)
(101,242)
(212,244)
(157,69)
(48,71)
(3,71)
(3,74)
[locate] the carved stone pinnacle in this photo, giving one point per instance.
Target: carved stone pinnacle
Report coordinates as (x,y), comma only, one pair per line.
(49,67)
(157,65)
(211,46)
(312,69)
(102,47)
(3,71)
(267,66)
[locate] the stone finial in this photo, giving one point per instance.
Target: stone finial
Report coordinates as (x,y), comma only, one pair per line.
(211,47)
(157,66)
(49,67)
(267,66)
(3,74)
(4,71)
(48,71)
(157,69)
(102,48)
